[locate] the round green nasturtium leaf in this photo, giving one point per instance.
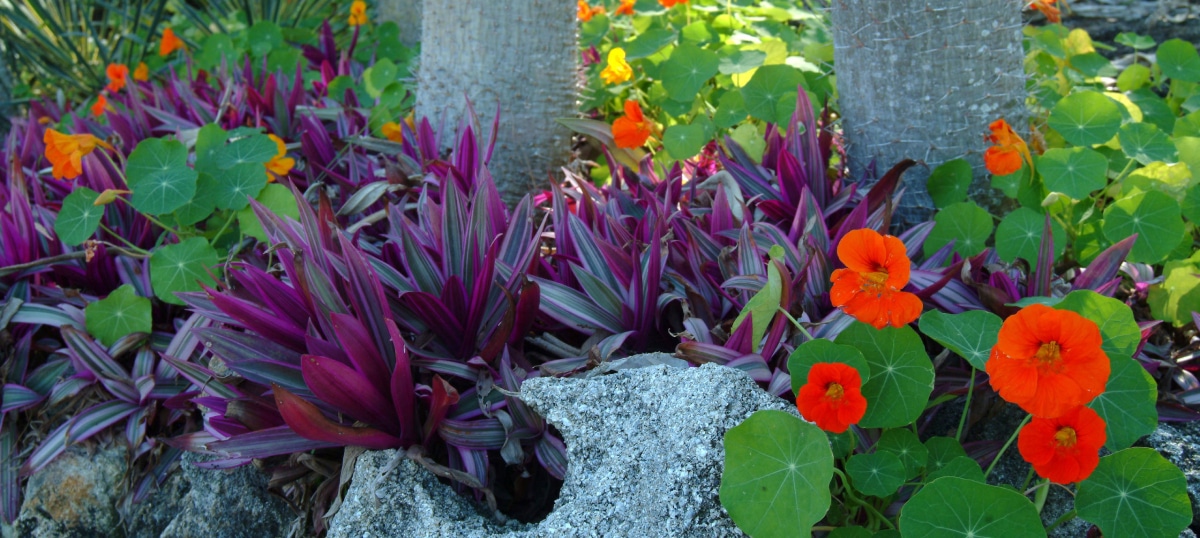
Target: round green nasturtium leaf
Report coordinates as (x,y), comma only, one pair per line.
(965,223)
(961,467)
(1154,216)
(1093,64)
(1146,143)
(843,443)
(181,267)
(1133,77)
(215,48)
(731,110)
(750,139)
(1085,118)
(686,72)
(210,140)
(1175,298)
(905,445)
(275,197)
(696,33)
(117,315)
(254,149)
(1089,240)
(970,334)
(769,84)
(158,174)
(1179,60)
(1127,404)
(79,216)
(1134,40)
(338,86)
(877,474)
(1173,180)
(777,473)
(202,204)
(1117,327)
(948,183)
(821,350)
(379,76)
(943,450)
(1019,235)
(648,43)
(264,37)
(592,32)
(901,373)
(1010,184)
(850,532)
(1135,492)
(684,141)
(238,184)
(952,507)
(1075,172)
(735,60)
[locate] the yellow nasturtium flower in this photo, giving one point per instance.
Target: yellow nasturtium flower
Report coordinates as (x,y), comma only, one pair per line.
(358,13)
(280,164)
(618,70)
(392,131)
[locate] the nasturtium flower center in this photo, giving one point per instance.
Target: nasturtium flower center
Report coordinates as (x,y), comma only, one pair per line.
(1049,354)
(1065,437)
(834,391)
(874,281)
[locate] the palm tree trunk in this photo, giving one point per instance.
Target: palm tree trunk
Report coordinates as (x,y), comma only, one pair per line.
(407,15)
(521,56)
(922,79)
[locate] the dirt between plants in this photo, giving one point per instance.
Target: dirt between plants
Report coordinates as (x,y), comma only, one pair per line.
(1159,19)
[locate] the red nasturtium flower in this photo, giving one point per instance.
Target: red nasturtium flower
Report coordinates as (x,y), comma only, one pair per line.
(100,104)
(65,152)
(1047,8)
(1064,449)
(117,75)
(877,268)
(586,12)
(632,129)
(832,396)
(280,164)
(358,13)
(142,73)
(671,3)
(626,7)
(1048,361)
(170,43)
(1009,151)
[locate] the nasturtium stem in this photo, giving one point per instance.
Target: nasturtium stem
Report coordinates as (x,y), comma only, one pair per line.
(1061,519)
(127,242)
(1004,448)
(1039,499)
(225,226)
(150,218)
(797,324)
(871,510)
(962,420)
(1028,478)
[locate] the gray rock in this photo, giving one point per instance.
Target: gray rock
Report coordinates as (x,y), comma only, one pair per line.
(148,519)
(231,504)
(75,496)
(645,451)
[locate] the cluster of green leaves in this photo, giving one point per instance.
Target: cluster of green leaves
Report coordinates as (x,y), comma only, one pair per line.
(778,471)
(1121,157)
(710,68)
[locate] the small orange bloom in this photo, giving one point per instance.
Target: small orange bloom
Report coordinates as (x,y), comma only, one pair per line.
(142,73)
(632,129)
(877,268)
(1048,361)
(1064,449)
(1047,8)
(672,3)
(100,104)
(1006,156)
(586,12)
(170,43)
(65,152)
(117,75)
(626,7)
(280,164)
(392,131)
(832,397)
(358,13)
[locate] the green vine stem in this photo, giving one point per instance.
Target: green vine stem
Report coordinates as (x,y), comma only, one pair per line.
(1004,448)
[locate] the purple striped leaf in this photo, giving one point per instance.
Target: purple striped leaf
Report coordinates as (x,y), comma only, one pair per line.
(574,309)
(486,434)
(261,444)
(1105,266)
(360,347)
(79,428)
(348,391)
(552,454)
(92,356)
(401,386)
(307,421)
(10,484)
(17,397)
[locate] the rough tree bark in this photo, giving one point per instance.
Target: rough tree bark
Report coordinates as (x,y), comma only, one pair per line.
(922,79)
(520,55)
(407,15)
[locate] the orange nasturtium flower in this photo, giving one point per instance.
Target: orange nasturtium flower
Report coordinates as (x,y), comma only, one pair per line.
(280,164)
(671,3)
(65,152)
(170,43)
(392,131)
(1009,151)
(1064,449)
(877,268)
(626,7)
(632,129)
(142,73)
(1048,361)
(832,397)
(617,70)
(117,76)
(358,13)
(100,104)
(1047,8)
(586,12)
